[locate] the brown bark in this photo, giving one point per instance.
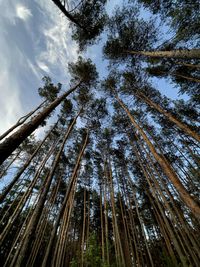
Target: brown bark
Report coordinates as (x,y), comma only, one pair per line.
(167,169)
(21,170)
(72,181)
(21,121)
(29,234)
(170,117)
(13,141)
(193,53)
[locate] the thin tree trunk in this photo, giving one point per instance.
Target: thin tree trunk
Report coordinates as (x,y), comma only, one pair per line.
(21,121)
(67,14)
(13,141)
(170,117)
(25,196)
(102,227)
(29,235)
(187,65)
(26,164)
(167,169)
(192,79)
(72,181)
(193,53)
(11,162)
(83,231)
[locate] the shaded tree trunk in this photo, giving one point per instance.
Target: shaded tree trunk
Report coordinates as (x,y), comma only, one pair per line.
(13,141)
(29,235)
(67,14)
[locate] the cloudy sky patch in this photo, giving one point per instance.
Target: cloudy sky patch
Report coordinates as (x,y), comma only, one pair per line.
(23,12)
(34,41)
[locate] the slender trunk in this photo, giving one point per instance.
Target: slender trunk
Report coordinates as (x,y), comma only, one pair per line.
(67,14)
(193,53)
(102,227)
(170,117)
(106,221)
(13,141)
(29,235)
(21,121)
(83,231)
(25,197)
(187,65)
(11,162)
(21,170)
(192,79)
(167,169)
(72,181)
(114,218)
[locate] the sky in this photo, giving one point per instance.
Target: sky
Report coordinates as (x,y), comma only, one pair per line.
(35,41)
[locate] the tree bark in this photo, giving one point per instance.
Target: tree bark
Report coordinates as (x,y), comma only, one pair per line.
(193,53)
(29,234)
(72,181)
(13,141)
(170,117)
(68,15)
(167,169)
(21,170)
(21,121)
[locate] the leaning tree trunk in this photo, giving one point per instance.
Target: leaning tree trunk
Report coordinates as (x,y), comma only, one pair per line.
(21,120)
(67,14)
(166,167)
(187,65)
(62,209)
(29,234)
(13,141)
(193,53)
(184,127)
(7,189)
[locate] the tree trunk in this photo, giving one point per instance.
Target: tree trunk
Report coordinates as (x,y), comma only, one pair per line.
(187,65)
(167,169)
(193,53)
(67,14)
(21,120)
(29,234)
(170,117)
(21,170)
(13,141)
(72,181)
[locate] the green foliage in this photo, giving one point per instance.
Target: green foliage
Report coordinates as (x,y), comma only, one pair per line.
(128,32)
(92,17)
(49,91)
(85,71)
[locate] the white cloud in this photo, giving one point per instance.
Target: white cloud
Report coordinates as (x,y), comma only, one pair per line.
(60,49)
(43,66)
(23,12)
(25,56)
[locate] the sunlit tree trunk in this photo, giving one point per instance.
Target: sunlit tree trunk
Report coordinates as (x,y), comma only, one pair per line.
(170,117)
(167,169)
(193,53)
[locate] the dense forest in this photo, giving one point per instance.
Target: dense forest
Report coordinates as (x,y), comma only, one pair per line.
(114,178)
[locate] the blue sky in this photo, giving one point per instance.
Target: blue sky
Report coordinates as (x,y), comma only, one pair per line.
(35,41)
